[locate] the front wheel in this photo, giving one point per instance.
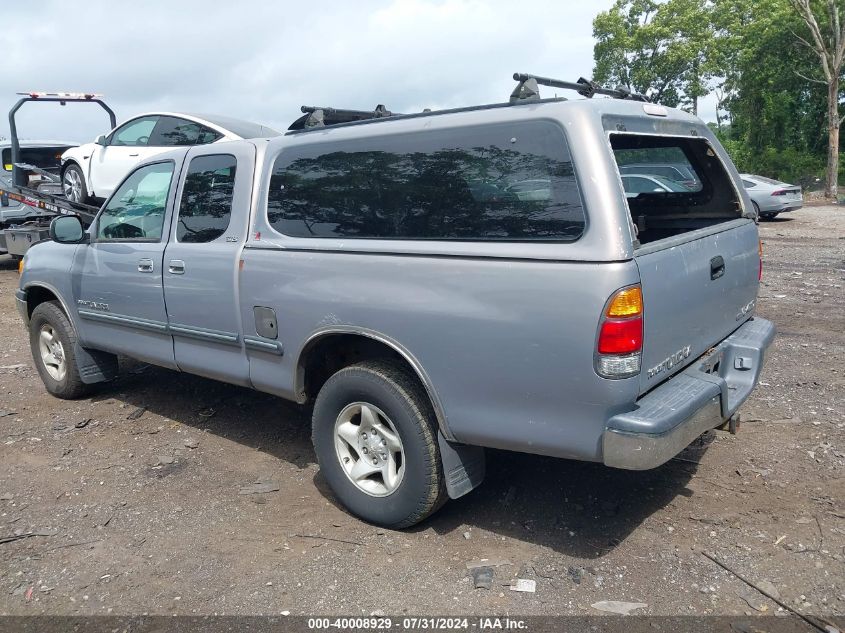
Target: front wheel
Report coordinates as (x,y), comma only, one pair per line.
(73,185)
(52,339)
(375,437)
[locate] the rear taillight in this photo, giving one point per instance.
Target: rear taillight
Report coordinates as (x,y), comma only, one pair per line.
(760,254)
(620,340)
(779,192)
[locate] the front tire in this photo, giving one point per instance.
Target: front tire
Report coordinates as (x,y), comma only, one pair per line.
(375,437)
(52,340)
(73,184)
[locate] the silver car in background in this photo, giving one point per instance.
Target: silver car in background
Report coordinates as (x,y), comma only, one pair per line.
(771,197)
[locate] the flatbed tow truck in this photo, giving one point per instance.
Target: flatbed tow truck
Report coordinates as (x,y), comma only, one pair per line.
(37,187)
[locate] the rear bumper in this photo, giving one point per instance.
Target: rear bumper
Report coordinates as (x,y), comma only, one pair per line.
(773,206)
(696,400)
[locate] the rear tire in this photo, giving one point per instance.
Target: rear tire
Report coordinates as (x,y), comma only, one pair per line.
(52,340)
(73,184)
(375,436)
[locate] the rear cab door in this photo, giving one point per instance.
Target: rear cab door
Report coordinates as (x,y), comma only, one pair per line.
(202,261)
(696,247)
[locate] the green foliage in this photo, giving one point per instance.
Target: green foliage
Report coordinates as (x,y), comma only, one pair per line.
(659,48)
(772,119)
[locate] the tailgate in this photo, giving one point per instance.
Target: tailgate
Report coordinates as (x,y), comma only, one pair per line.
(695,294)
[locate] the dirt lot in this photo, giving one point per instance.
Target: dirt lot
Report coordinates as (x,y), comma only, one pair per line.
(141,511)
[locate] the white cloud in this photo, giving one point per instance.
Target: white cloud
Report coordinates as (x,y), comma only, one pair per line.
(261,60)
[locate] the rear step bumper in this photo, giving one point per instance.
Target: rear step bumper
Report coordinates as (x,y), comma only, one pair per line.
(696,400)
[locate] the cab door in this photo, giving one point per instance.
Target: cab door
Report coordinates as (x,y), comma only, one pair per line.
(117,277)
(201,262)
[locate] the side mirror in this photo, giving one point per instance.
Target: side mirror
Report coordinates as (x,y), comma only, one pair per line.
(101,140)
(67,229)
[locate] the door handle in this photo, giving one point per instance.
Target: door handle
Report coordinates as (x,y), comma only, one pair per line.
(176,267)
(133,155)
(717,267)
(145,265)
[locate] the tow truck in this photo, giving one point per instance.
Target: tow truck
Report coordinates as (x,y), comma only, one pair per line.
(36,183)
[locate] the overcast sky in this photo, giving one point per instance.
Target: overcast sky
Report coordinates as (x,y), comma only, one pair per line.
(261,60)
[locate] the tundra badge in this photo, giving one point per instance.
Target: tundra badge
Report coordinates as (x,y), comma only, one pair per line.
(668,363)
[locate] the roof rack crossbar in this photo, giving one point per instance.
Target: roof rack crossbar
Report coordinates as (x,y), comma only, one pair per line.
(319,116)
(527,88)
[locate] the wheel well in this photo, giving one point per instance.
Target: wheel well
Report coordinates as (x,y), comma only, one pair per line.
(36,295)
(321,358)
(331,353)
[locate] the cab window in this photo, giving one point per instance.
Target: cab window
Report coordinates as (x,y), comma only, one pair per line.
(135,213)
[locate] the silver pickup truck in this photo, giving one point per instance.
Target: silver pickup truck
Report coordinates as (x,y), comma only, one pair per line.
(433,284)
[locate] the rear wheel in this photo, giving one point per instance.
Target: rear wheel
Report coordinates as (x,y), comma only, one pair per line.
(375,437)
(73,184)
(52,339)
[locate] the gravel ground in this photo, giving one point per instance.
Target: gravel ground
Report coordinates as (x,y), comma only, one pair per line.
(133,497)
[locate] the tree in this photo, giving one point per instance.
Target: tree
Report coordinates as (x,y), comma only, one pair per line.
(826,24)
(656,48)
(761,64)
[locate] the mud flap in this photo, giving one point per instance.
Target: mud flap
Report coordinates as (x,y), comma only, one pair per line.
(463,466)
(94,366)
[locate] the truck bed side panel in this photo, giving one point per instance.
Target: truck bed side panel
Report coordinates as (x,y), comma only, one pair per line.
(507,345)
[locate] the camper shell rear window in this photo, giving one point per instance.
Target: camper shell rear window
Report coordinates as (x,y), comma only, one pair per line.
(673,184)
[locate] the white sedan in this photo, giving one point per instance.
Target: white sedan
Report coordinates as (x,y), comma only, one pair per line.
(94,170)
(771,197)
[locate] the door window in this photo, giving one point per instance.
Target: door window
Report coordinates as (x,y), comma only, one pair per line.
(134,133)
(172,131)
(206,206)
(135,212)
(207,135)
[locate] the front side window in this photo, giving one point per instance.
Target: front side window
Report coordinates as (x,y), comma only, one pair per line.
(136,210)
(135,133)
(207,197)
(493,182)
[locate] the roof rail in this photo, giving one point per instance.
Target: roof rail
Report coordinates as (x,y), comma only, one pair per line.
(527,89)
(317,116)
